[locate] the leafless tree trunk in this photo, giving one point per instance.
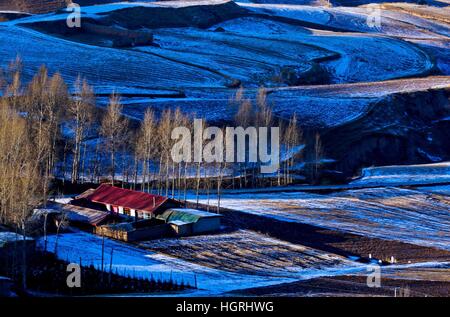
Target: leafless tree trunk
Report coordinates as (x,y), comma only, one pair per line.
(292,139)
(81,115)
(114,130)
(318,154)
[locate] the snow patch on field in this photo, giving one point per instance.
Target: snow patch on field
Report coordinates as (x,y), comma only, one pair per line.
(411,174)
(302,13)
(132,261)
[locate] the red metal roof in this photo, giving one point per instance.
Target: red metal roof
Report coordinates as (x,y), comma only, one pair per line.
(110,195)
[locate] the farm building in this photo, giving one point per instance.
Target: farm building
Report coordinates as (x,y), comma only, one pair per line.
(171,222)
(191,221)
(180,228)
(149,216)
(125,202)
(82,217)
(134,231)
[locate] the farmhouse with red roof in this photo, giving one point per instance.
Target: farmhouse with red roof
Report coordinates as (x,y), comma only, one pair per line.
(126,202)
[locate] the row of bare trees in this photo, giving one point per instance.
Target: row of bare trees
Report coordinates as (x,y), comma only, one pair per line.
(33,118)
(295,147)
(59,124)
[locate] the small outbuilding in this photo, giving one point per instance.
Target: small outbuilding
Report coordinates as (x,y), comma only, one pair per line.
(81,217)
(180,228)
(193,220)
(134,231)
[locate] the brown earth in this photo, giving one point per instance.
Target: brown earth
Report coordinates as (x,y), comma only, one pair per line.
(44,6)
(201,16)
(332,241)
(352,286)
(244,252)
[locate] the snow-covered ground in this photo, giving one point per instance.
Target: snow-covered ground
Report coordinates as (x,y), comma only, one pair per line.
(248,59)
(296,12)
(200,63)
(134,261)
(365,90)
(364,57)
(253,42)
(247,252)
(411,216)
(405,174)
(439,189)
(118,70)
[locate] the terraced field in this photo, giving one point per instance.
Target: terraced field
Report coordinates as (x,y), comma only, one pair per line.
(252,50)
(247,252)
(325,64)
(405,215)
(247,59)
(131,260)
(114,69)
(413,174)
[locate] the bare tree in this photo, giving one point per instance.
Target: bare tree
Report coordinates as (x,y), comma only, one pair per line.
(264,114)
(146,145)
(56,100)
(14,87)
(61,222)
(114,130)
(44,101)
(245,114)
(292,138)
(20,180)
(221,168)
(81,115)
(318,155)
(244,117)
(264,118)
(165,142)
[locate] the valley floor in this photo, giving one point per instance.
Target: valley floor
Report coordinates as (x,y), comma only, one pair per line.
(297,244)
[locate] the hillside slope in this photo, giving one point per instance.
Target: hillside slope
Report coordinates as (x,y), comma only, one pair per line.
(43,6)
